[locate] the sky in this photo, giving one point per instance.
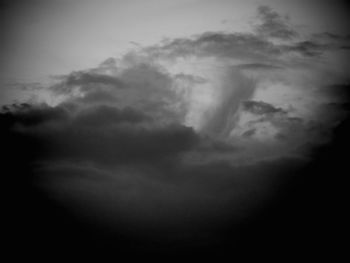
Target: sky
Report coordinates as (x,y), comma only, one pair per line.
(161,125)
(42,38)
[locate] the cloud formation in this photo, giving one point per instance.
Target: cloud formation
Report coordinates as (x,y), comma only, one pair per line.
(274,25)
(194,130)
(259,107)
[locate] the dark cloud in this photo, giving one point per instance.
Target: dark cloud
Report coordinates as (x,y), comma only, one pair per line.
(249,133)
(81,78)
(210,145)
(24,114)
(280,124)
(307,48)
(147,78)
(332,41)
(182,203)
(274,25)
(128,154)
(222,45)
(250,48)
(109,63)
(106,115)
(319,43)
(260,107)
(258,66)
(183,208)
(332,36)
(116,151)
(123,170)
(144,86)
(86,81)
(191,79)
(103,134)
(98,96)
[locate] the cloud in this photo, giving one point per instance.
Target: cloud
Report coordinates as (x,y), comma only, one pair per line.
(86,81)
(135,172)
(222,45)
(165,149)
(177,203)
(107,115)
(81,78)
(318,44)
(119,162)
(260,107)
(258,66)
(247,48)
(191,79)
(103,134)
(24,114)
(307,48)
(332,36)
(141,95)
(284,132)
(274,25)
(236,87)
(215,146)
(332,41)
(249,133)
(97,97)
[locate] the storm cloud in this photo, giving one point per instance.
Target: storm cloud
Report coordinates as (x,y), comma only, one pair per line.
(139,172)
(179,142)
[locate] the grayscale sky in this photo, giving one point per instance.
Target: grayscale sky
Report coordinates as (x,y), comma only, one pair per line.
(42,38)
(166,119)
